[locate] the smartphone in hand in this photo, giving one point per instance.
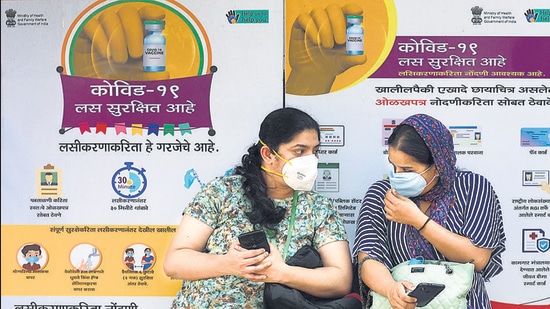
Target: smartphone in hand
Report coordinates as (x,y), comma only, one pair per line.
(425,292)
(254,240)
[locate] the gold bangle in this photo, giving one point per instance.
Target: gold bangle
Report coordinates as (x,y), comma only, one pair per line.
(424,225)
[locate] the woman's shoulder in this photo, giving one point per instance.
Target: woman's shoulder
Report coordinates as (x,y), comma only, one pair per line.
(217,190)
(314,195)
(379,187)
(470,177)
(318,199)
(382,183)
(226,179)
(225,183)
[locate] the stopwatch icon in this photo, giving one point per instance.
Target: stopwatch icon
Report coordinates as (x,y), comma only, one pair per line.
(129,182)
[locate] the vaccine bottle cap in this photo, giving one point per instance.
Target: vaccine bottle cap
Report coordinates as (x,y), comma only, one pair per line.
(152,25)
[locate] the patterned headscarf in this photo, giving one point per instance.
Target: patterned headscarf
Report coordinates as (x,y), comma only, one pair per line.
(442,196)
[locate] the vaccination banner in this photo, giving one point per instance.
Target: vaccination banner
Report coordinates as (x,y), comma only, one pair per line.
(468,64)
(114,115)
(116,112)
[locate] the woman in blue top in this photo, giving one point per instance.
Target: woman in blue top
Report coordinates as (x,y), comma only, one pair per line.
(275,176)
(427,208)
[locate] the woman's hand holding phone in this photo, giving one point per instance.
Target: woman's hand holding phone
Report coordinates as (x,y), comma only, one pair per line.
(254,240)
(425,292)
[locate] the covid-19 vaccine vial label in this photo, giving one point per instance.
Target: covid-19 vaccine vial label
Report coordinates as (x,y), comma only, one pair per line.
(354,35)
(154,47)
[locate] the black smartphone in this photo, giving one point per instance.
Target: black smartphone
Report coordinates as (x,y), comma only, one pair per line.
(254,240)
(425,292)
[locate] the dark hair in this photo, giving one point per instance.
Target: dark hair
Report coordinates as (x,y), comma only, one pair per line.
(405,138)
(33,247)
(279,127)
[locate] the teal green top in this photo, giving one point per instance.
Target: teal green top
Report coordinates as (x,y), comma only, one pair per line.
(222,205)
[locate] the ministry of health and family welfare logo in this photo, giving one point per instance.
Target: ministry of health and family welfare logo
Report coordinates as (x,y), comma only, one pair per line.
(10,14)
(476,12)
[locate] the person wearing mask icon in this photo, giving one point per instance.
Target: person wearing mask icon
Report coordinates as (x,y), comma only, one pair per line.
(148,259)
(129,259)
(32,254)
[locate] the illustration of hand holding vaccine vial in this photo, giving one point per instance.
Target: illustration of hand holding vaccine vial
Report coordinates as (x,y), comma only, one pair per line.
(323,44)
(128,41)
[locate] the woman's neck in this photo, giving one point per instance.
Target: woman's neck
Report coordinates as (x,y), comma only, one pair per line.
(276,187)
(280,193)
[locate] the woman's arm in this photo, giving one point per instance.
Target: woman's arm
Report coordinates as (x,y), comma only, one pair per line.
(453,246)
(332,280)
(379,279)
(186,259)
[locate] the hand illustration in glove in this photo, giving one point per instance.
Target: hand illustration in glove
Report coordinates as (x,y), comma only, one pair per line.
(317,49)
(531,16)
(232,18)
(111,44)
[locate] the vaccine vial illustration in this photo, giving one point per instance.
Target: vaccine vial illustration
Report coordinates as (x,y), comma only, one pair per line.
(154,47)
(354,35)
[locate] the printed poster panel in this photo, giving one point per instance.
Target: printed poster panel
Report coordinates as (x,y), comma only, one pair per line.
(105,140)
(464,63)
(117,113)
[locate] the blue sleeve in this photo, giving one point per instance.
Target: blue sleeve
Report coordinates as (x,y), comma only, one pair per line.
(371,230)
(483,222)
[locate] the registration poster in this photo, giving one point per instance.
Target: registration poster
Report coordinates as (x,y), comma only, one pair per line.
(108,131)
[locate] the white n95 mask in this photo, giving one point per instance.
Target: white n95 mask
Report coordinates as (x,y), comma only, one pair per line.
(300,173)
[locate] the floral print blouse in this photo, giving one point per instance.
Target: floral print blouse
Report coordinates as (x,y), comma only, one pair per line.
(222,205)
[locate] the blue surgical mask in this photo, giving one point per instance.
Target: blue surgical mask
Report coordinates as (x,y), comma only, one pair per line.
(409,184)
(32,259)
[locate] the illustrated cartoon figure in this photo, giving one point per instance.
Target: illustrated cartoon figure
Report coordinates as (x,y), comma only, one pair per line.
(148,259)
(477,136)
(129,258)
(32,254)
(49,180)
(326,175)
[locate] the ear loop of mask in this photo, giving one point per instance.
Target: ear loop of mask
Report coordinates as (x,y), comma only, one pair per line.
(278,156)
(426,170)
(433,178)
